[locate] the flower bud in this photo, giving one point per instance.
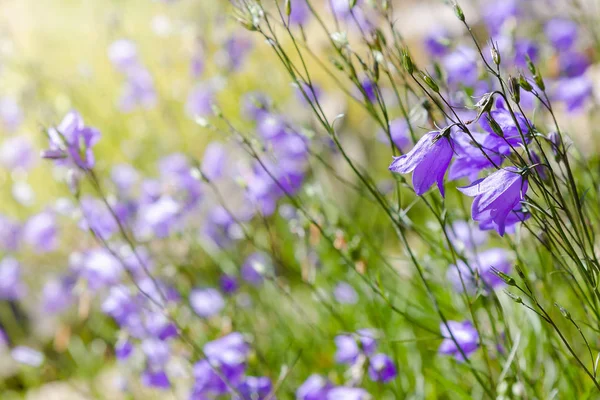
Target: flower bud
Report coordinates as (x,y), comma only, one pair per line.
(494,125)
(563,311)
(510,281)
(430,82)
(515,89)
(459,12)
(530,66)
(524,83)
(407,62)
(288,7)
(495,54)
(539,81)
(516,298)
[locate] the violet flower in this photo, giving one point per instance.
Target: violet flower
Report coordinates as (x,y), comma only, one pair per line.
(156,379)
(41,231)
(348,393)
(496,196)
(206,302)
(428,161)
(382,368)
(10,233)
(11,284)
(256,266)
(344,293)
(482,264)
(27,356)
(350,347)
(399,132)
(11,115)
(466,339)
(573,92)
(17,153)
(72,140)
(315,387)
(562,33)
(255,388)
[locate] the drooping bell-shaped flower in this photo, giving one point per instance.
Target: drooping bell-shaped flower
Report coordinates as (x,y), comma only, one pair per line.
(496,196)
(466,339)
(428,161)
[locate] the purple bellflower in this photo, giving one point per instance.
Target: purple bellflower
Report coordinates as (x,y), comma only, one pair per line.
(206,302)
(496,196)
(428,161)
(466,339)
(314,388)
(482,264)
(382,368)
(348,393)
(562,33)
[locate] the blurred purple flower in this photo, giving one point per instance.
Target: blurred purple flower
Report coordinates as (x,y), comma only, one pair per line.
(382,368)
(17,153)
(315,387)
(214,160)
(41,232)
(100,268)
(349,347)
(200,100)
(123,54)
(138,90)
(256,388)
(156,379)
(206,302)
(573,92)
(300,12)
(496,196)
(230,353)
(57,294)
(237,48)
(255,105)
(573,64)
(496,13)
(11,115)
(344,293)
(10,233)
(123,349)
(465,236)
(465,336)
(481,264)
(348,393)
(72,140)
(562,33)
(27,356)
(461,66)
(254,269)
(157,352)
(125,177)
(428,161)
(399,132)
(437,42)
(11,284)
(229,284)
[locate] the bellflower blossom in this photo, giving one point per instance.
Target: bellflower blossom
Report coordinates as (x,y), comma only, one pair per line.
(254,269)
(348,393)
(315,387)
(573,92)
(17,153)
(349,347)
(41,232)
(481,264)
(561,32)
(11,285)
(27,356)
(255,388)
(10,233)
(382,368)
(465,236)
(206,302)
(466,339)
(496,196)
(399,133)
(11,115)
(71,142)
(428,161)
(461,66)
